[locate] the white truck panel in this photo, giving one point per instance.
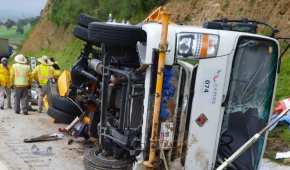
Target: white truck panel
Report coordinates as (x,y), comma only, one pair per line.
(203,139)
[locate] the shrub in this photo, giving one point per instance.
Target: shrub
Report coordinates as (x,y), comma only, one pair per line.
(66,12)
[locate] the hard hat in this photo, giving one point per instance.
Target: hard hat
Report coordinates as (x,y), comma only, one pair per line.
(20,59)
(4,59)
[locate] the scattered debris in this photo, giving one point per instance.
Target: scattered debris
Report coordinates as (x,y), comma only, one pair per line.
(36,151)
(70,126)
(47,137)
(70,141)
(280,106)
(282,155)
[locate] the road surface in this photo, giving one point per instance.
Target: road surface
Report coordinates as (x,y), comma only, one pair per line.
(16,155)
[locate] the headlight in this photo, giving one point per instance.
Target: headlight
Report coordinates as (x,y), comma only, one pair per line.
(196,45)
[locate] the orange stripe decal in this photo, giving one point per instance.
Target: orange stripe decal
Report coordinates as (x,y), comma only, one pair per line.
(203,50)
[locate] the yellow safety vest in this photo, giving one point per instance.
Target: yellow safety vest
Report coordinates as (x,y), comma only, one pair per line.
(21,75)
(5,76)
(43,73)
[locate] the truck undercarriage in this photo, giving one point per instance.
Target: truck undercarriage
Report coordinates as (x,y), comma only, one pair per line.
(217,92)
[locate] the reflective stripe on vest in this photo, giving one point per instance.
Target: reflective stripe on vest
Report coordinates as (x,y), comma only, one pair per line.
(44,73)
(21,73)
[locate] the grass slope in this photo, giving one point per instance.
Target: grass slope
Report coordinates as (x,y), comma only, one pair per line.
(283,87)
(65,14)
(66,57)
(67,11)
(13,36)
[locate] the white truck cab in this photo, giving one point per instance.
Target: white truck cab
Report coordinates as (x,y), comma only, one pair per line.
(177,97)
(231,79)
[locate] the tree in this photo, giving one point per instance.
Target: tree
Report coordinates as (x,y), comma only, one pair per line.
(9,23)
(20,29)
(25,21)
(22,22)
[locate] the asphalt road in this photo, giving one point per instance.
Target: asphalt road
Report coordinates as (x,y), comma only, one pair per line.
(268,165)
(17,155)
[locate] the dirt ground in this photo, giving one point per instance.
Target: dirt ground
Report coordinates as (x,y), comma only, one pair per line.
(17,155)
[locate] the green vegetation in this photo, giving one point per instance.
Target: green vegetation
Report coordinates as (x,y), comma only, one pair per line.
(278,141)
(134,11)
(66,57)
(279,138)
(67,11)
(283,87)
(13,36)
(265,31)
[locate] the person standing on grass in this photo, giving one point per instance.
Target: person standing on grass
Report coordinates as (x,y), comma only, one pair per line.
(42,73)
(21,79)
(5,84)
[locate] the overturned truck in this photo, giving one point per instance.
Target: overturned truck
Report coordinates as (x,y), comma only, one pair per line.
(166,96)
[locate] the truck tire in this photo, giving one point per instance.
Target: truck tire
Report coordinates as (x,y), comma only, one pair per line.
(85,19)
(113,34)
(81,33)
(66,105)
(95,160)
(60,116)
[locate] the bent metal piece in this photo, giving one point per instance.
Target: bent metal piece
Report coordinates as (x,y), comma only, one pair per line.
(251,141)
(47,137)
(158,92)
(155,15)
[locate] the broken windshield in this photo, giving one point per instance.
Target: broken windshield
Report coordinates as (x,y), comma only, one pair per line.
(253,76)
(250,96)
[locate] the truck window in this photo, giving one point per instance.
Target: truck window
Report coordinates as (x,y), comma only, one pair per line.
(249,97)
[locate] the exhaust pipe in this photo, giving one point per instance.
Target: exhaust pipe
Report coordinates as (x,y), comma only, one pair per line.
(96,65)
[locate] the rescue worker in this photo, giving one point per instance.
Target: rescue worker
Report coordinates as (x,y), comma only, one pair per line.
(54,63)
(56,67)
(42,73)
(5,84)
(21,80)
